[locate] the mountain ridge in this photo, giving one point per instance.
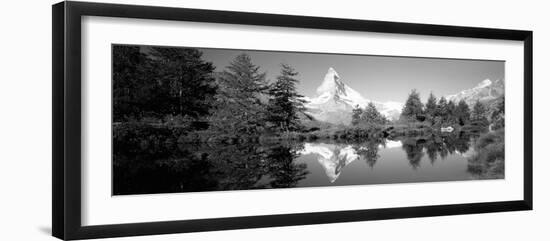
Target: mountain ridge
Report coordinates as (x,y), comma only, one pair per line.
(335,100)
(485,91)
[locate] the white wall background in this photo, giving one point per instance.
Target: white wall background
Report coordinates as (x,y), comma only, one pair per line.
(25,121)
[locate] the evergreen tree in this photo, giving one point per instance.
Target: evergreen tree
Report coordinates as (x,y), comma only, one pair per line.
(462,113)
(450,110)
(478,114)
(186,84)
(441,110)
(285,103)
(413,107)
(497,117)
(129,78)
(357,112)
(372,116)
(240,109)
(157,82)
(431,106)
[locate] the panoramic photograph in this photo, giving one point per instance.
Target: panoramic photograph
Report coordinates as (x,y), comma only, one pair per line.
(188,119)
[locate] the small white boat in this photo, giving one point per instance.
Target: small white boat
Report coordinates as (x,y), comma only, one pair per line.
(447,129)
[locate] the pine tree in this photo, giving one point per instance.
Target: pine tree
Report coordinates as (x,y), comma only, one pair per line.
(372,116)
(129,78)
(451,109)
(478,114)
(185,81)
(240,109)
(441,110)
(497,117)
(431,106)
(356,115)
(462,113)
(285,103)
(413,107)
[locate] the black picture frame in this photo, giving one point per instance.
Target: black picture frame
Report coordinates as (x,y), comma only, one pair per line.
(66,159)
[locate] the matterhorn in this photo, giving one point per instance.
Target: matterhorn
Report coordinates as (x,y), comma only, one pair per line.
(335,101)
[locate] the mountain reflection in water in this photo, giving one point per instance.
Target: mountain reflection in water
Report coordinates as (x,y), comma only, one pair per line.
(201,167)
(334,158)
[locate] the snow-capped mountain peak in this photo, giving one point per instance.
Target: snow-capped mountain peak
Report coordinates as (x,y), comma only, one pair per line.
(335,100)
(331,83)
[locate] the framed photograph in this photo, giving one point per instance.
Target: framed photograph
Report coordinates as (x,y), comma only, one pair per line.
(169,120)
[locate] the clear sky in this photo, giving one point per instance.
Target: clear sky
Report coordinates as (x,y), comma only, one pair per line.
(379,78)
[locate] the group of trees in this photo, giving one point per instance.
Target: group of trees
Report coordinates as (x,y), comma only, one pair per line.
(163,83)
(248,104)
(367,116)
(175,86)
(439,112)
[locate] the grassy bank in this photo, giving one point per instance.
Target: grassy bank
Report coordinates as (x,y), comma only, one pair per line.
(488,160)
(141,137)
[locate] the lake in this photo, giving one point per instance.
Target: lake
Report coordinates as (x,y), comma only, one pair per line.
(218,167)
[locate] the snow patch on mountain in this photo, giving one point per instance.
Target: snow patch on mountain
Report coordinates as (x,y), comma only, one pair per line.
(485,91)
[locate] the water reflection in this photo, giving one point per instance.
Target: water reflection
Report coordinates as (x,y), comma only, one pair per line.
(333,157)
(193,168)
(209,168)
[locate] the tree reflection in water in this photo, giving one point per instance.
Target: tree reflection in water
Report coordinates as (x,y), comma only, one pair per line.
(369,150)
(282,168)
(435,145)
(203,167)
(209,168)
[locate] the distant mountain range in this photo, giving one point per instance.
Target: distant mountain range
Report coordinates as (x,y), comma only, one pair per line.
(335,100)
(485,91)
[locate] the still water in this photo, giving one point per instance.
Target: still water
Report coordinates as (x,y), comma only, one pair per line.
(217,167)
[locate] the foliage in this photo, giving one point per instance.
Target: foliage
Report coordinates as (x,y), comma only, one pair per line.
(450,112)
(175,88)
(497,117)
(368,116)
(488,160)
(239,107)
(478,117)
(137,139)
(431,106)
(441,112)
(155,82)
(462,113)
(413,107)
(285,103)
(129,81)
(185,79)
(356,114)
